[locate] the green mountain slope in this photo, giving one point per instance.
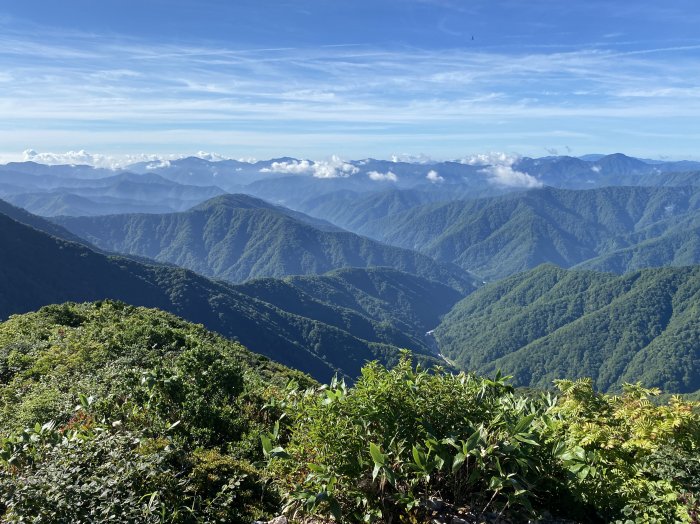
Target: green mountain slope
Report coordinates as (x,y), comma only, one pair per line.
(37,269)
(678,247)
(499,236)
(550,322)
(41,224)
(357,299)
(236,237)
(57,203)
(356,212)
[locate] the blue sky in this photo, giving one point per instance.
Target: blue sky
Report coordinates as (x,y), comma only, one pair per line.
(357,78)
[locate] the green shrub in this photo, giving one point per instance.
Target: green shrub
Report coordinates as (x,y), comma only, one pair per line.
(380,450)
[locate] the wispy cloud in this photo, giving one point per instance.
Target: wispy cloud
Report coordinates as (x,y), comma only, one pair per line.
(87,85)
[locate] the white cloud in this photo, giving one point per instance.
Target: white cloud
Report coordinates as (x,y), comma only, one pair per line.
(506,176)
(309,95)
(412,159)
(333,168)
(434,177)
(383,177)
(490,159)
(80,157)
(293,167)
(661,92)
(499,169)
(211,157)
(83,157)
(596,169)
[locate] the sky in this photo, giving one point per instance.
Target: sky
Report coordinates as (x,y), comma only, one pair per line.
(355,78)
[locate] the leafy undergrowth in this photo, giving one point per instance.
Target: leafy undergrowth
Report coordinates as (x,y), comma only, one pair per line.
(114,413)
(131,415)
(401,439)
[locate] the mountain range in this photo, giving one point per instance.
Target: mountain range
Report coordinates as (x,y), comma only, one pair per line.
(176,185)
(628,227)
(363,265)
(237,237)
(304,328)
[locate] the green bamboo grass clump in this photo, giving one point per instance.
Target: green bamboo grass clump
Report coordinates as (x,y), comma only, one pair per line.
(381,450)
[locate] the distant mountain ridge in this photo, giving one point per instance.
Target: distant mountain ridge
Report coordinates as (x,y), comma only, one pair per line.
(59,194)
(291,181)
(499,236)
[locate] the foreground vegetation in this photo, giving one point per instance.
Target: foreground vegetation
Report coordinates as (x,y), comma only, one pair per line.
(112,412)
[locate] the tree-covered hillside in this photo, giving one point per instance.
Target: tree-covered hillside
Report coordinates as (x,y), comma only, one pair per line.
(409,304)
(680,246)
(550,322)
(41,224)
(38,269)
(236,237)
(499,236)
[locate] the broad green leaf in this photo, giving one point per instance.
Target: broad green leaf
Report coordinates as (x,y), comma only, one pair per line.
(376,453)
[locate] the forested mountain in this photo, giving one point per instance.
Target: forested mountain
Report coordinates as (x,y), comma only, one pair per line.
(357,211)
(236,237)
(551,322)
(60,203)
(409,304)
(495,237)
(679,247)
(39,269)
(41,224)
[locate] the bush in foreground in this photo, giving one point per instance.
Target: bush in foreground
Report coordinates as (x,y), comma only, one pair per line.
(380,451)
(115,413)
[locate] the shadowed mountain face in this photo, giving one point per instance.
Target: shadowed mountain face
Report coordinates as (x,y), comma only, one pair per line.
(381,311)
(549,323)
(237,237)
